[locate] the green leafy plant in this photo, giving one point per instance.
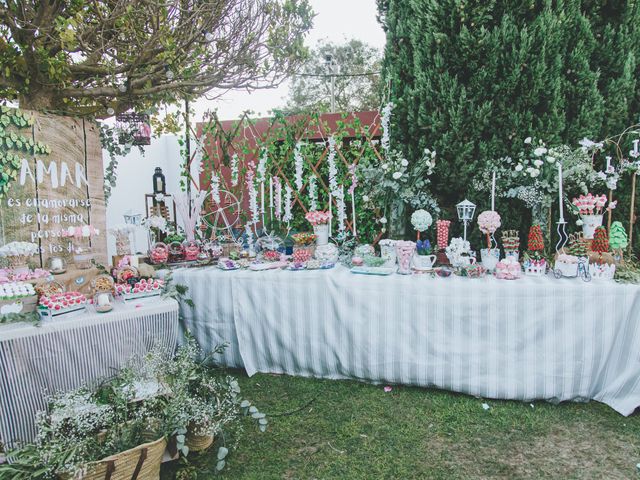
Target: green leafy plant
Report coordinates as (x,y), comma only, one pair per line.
(15,144)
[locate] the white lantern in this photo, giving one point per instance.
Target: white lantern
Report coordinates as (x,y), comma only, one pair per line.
(466,210)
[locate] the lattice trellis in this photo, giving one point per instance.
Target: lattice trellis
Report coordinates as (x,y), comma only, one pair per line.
(357,140)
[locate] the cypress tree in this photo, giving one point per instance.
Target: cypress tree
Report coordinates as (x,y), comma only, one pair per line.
(473,77)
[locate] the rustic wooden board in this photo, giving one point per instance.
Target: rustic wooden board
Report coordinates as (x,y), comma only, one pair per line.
(14,211)
(66,186)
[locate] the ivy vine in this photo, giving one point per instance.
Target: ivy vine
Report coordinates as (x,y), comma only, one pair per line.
(14,146)
(117,142)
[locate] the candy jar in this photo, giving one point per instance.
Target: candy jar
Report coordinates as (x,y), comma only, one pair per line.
(176,252)
(270,247)
(191,250)
(404,252)
(159,253)
(103,301)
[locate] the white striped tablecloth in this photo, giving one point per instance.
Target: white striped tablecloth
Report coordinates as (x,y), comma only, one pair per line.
(534,338)
(67,353)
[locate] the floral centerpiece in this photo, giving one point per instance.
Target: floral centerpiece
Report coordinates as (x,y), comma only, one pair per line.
(320,221)
(489,222)
(591,209)
(459,252)
(18,253)
(421,221)
(81,239)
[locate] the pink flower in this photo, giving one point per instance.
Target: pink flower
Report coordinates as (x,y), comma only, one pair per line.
(317,217)
(387,389)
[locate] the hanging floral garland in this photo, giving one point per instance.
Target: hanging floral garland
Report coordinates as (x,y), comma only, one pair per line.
(215,187)
(253,194)
(354,179)
(385,122)
(313,193)
(297,156)
(288,204)
(277,187)
(333,170)
(234,170)
(262,166)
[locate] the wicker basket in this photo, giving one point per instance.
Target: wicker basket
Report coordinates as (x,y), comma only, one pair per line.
(139,463)
(197,443)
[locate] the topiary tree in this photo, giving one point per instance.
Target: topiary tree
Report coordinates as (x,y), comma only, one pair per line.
(102,57)
(471,77)
(618,239)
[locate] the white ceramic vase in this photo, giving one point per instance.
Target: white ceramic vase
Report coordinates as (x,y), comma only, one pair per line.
(423,262)
(322,234)
(589,225)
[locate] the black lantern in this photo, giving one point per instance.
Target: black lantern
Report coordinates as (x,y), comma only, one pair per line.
(159,182)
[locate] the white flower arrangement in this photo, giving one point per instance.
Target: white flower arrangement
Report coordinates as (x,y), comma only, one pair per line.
(215,187)
(385,123)
(333,170)
(299,164)
(253,194)
(234,170)
(288,204)
(262,165)
(19,249)
(313,193)
(156,221)
(277,187)
(457,247)
(421,220)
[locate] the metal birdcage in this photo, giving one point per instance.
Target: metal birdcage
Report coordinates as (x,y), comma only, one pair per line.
(134,126)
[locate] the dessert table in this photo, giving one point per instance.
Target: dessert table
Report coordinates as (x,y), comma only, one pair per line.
(526,339)
(69,352)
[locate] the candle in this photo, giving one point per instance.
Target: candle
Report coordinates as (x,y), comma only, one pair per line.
(493,192)
(353,212)
(271,198)
(262,200)
(608,164)
(560,191)
(635,147)
(330,215)
(56,264)
(103,299)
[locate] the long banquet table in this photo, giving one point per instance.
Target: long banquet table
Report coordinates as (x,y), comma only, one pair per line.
(70,352)
(533,338)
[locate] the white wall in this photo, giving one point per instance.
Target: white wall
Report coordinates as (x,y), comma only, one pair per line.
(134,179)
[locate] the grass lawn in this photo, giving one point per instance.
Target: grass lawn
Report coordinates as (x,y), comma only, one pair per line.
(350,430)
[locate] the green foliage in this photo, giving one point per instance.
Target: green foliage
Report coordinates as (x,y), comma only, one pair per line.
(99,57)
(358,89)
(356,143)
(15,145)
(118,143)
(472,78)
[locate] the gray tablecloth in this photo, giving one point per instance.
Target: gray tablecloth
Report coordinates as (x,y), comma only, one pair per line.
(534,338)
(67,353)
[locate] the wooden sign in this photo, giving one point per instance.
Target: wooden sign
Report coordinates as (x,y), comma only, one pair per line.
(54,186)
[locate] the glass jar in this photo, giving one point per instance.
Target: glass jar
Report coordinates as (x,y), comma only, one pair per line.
(56,265)
(82,253)
(103,301)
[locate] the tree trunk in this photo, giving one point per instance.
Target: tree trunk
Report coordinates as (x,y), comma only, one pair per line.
(39,100)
